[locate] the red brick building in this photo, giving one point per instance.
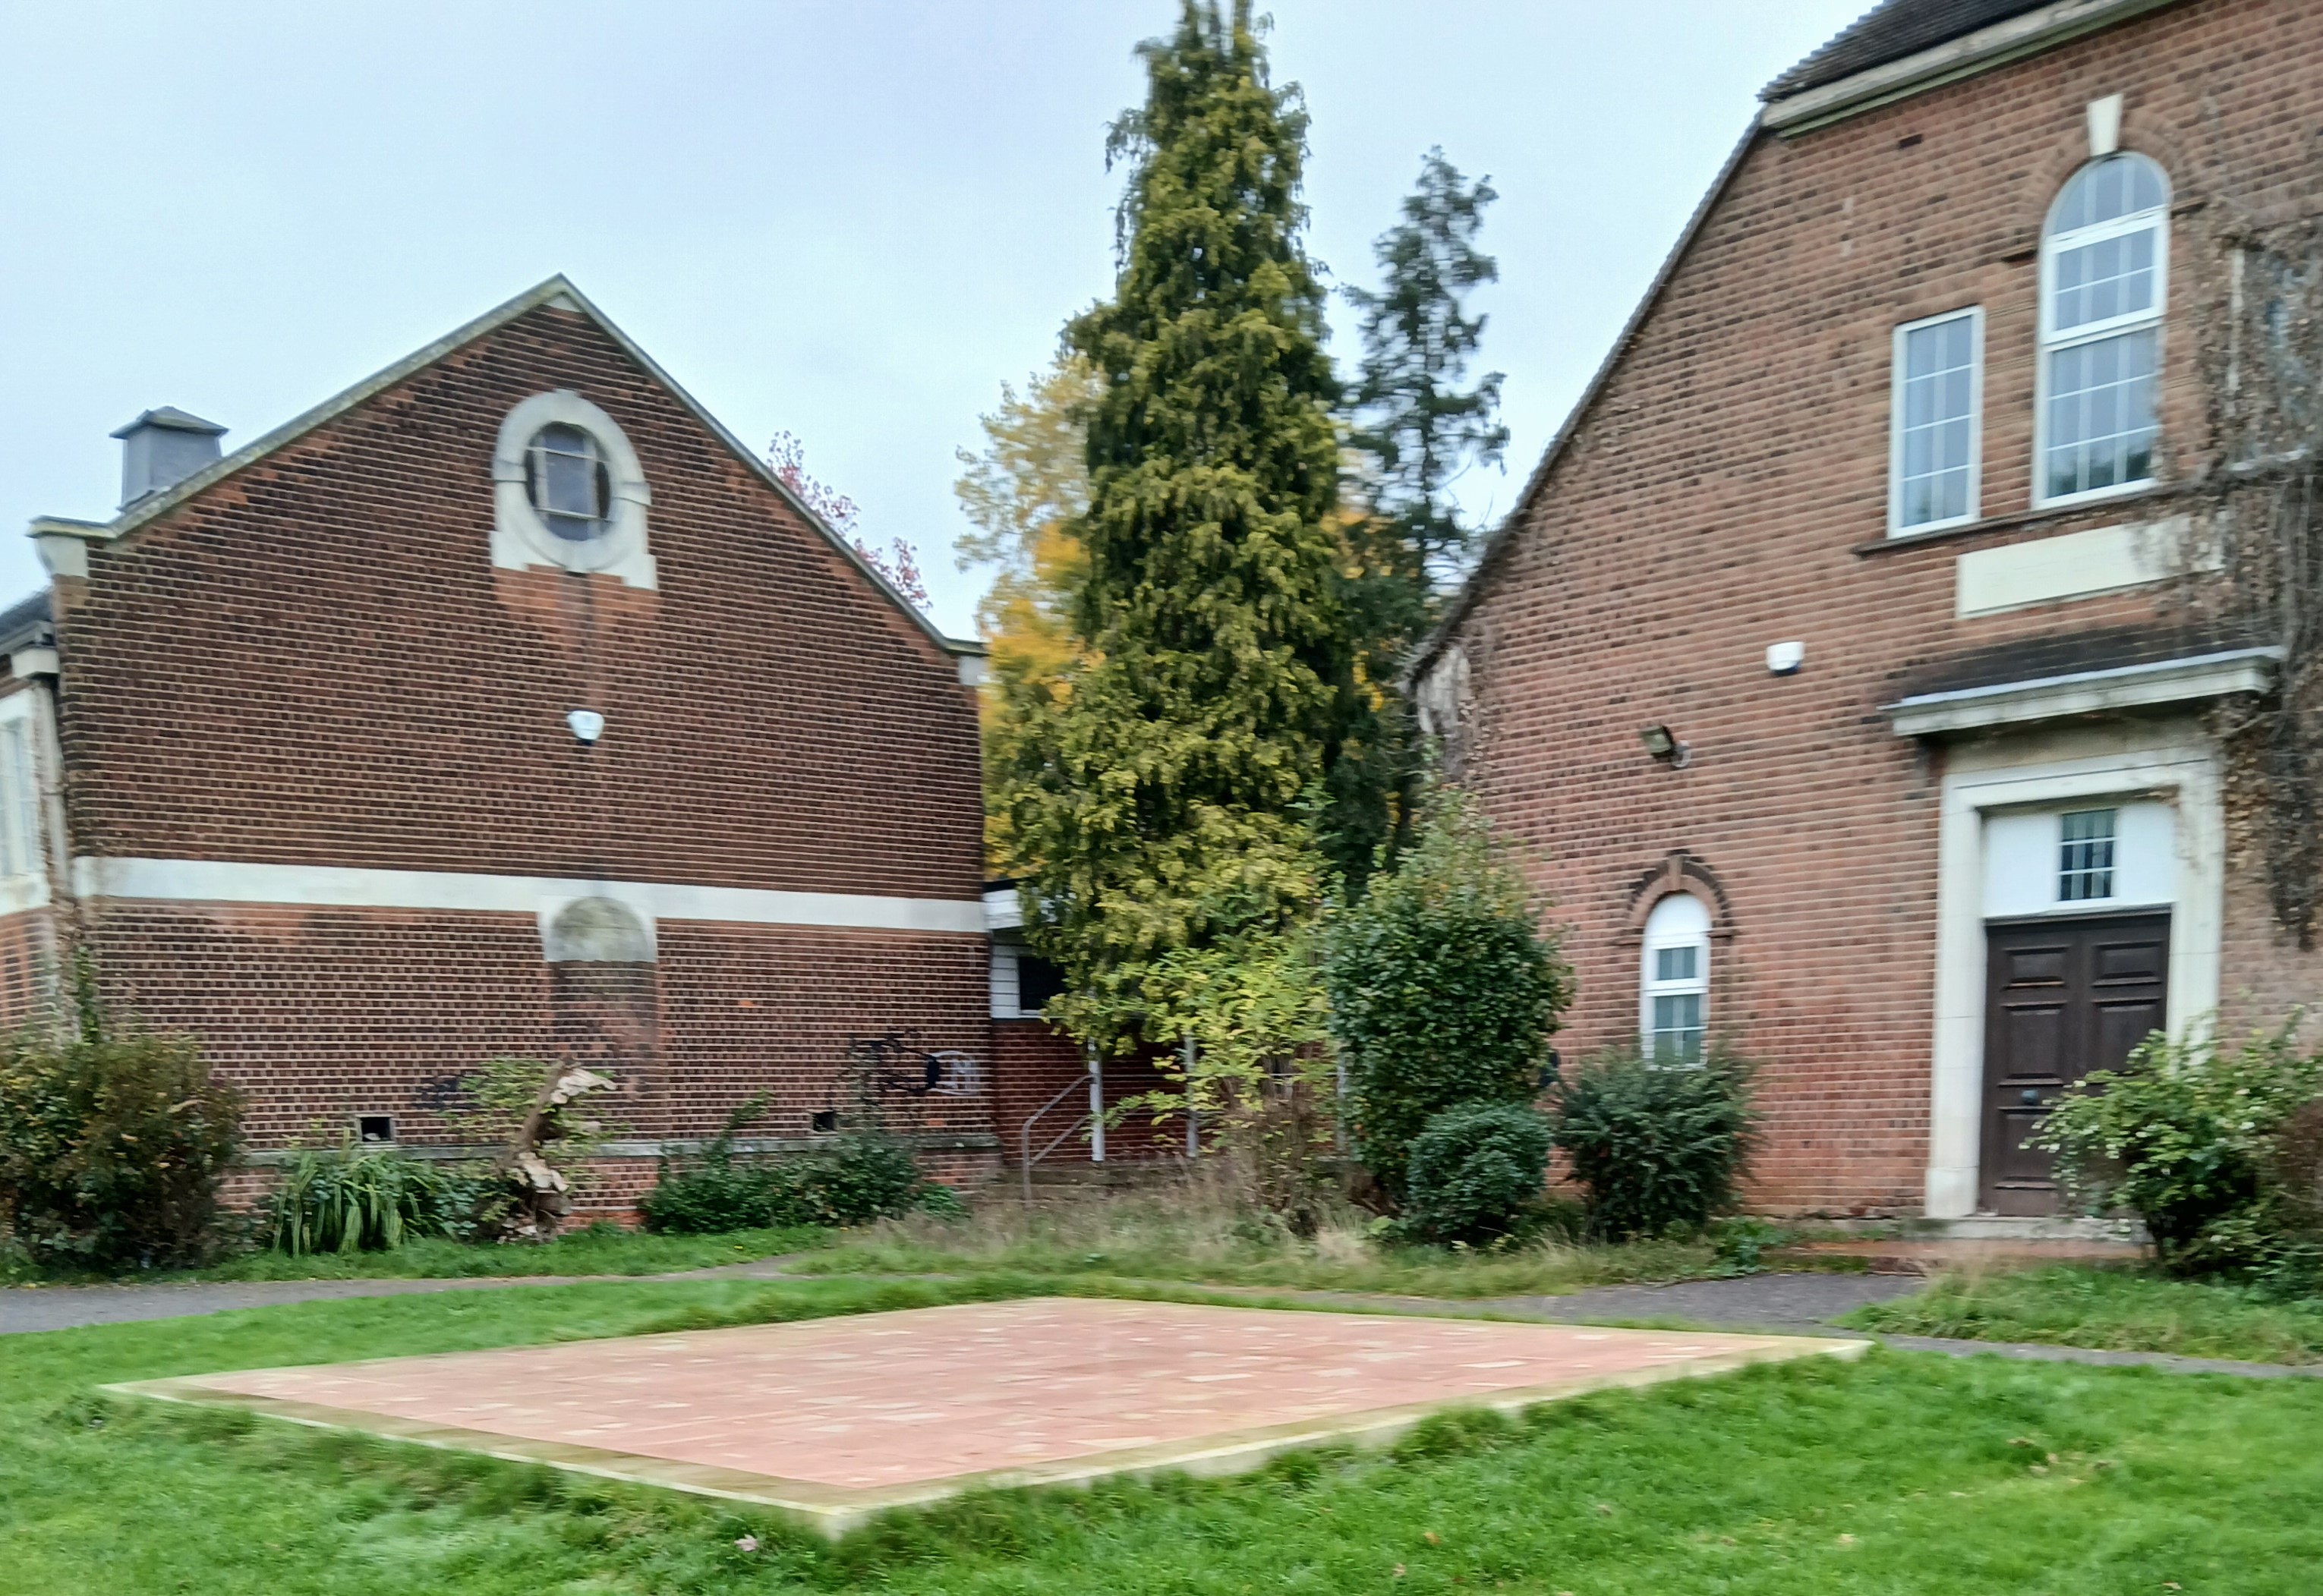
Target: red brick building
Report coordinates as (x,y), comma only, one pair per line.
(1859,665)
(503,705)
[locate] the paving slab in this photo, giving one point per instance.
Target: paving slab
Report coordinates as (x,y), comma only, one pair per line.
(832,1420)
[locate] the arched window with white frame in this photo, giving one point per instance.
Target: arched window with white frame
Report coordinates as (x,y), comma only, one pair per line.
(2105,276)
(1673,984)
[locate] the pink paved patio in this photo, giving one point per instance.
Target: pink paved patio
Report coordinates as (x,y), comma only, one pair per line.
(835,1419)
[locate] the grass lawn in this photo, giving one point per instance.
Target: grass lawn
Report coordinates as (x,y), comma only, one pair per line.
(599,1250)
(1901,1473)
(1195,1235)
(2121,1310)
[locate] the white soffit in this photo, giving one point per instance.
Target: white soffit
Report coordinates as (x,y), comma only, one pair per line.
(2076,565)
(1002,909)
(1964,57)
(2086,692)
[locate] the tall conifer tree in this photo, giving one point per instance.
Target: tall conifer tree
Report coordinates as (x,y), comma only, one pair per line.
(1155,791)
(1421,424)
(1416,415)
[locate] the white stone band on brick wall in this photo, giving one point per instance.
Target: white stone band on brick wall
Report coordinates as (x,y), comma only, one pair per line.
(222,881)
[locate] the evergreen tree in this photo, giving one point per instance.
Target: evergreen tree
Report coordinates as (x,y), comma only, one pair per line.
(1421,428)
(1418,429)
(1154,791)
(1444,985)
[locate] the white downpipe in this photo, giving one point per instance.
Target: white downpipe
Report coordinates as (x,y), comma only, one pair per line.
(1097,1104)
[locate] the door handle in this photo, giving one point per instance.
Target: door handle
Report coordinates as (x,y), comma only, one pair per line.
(2030,1095)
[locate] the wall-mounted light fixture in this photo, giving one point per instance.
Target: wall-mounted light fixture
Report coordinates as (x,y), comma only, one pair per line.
(1663,744)
(587,725)
(1784,659)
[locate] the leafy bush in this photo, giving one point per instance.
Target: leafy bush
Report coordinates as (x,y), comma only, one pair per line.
(351,1199)
(111,1148)
(861,1178)
(1656,1147)
(1443,987)
(1476,1173)
(2203,1145)
(1253,1008)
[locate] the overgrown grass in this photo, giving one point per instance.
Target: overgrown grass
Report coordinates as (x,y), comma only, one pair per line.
(1903,1476)
(2118,1309)
(1197,1234)
(599,1250)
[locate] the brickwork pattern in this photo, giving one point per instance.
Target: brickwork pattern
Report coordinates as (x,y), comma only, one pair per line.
(315,661)
(325,1015)
(1031,1063)
(1727,490)
(28,967)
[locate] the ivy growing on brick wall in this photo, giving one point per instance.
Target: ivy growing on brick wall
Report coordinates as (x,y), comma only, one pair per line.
(2263,373)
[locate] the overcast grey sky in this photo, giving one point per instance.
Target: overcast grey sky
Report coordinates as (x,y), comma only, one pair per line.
(848,220)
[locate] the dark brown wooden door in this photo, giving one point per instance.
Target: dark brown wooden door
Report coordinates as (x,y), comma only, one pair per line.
(2062,997)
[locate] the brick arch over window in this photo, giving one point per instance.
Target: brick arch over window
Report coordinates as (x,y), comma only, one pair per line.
(1680,872)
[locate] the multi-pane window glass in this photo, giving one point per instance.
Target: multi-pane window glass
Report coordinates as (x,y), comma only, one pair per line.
(1936,421)
(2103,280)
(1674,990)
(20,802)
(2085,855)
(565,476)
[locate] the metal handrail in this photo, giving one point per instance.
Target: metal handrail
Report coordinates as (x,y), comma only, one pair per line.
(1025,1132)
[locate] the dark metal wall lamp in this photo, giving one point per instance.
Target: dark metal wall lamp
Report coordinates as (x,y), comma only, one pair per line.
(1663,746)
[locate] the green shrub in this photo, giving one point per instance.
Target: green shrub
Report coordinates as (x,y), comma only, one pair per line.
(2198,1144)
(111,1149)
(861,1178)
(1656,1147)
(352,1200)
(1476,1173)
(1443,987)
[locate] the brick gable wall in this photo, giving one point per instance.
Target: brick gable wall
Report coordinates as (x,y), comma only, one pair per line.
(1727,490)
(315,661)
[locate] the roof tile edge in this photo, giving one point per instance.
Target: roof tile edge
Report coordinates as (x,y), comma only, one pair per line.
(1971,53)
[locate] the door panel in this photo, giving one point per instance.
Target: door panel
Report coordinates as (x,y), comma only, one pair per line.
(2062,998)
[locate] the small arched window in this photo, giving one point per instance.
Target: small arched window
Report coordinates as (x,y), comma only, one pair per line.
(1674,985)
(2104,267)
(564,478)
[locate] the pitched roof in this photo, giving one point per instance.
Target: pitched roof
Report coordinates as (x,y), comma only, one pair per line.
(1889,32)
(556,291)
(24,622)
